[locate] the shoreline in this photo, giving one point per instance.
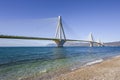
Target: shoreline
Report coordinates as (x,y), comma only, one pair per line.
(86,72)
(108,69)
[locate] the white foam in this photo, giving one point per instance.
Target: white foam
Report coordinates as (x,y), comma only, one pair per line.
(74,68)
(43,71)
(94,62)
(117,56)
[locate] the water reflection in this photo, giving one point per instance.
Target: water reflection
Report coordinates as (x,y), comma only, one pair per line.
(91,50)
(59,53)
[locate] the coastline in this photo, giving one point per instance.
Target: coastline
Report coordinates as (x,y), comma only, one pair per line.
(108,69)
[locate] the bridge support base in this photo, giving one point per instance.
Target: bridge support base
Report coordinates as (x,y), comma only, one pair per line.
(60,43)
(91,44)
(99,45)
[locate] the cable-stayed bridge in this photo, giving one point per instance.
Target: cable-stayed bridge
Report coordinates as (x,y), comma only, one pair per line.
(59,39)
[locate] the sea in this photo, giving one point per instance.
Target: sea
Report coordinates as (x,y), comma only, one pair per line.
(43,63)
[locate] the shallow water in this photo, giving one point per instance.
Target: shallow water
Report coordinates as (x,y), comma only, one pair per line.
(17,63)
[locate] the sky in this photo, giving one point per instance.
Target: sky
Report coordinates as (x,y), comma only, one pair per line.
(39,18)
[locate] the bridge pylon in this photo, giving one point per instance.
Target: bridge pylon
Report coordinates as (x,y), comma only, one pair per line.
(60,34)
(102,44)
(99,43)
(91,40)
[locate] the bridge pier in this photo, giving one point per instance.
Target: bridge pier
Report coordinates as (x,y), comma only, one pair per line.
(91,40)
(60,43)
(60,34)
(99,45)
(91,44)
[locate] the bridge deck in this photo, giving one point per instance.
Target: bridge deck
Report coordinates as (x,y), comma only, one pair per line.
(38,38)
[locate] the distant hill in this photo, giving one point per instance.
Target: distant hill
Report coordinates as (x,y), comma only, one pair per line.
(71,44)
(117,43)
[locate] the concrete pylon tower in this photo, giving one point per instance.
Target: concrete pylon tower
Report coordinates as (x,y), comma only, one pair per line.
(91,39)
(60,34)
(99,42)
(102,44)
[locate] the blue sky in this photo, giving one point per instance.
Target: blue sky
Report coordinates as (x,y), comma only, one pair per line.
(39,18)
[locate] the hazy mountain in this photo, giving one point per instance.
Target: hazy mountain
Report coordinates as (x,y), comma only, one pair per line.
(117,43)
(71,44)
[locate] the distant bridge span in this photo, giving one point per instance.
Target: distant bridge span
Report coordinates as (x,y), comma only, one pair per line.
(60,38)
(38,38)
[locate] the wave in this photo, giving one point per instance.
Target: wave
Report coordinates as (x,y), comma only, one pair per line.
(117,56)
(94,62)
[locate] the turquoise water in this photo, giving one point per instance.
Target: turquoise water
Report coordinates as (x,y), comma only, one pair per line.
(19,63)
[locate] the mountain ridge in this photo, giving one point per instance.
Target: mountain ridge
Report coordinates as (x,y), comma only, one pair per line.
(115,43)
